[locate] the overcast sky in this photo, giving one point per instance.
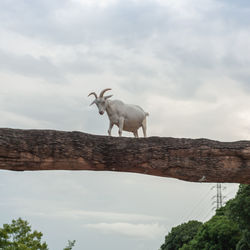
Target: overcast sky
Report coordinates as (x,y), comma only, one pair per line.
(185,62)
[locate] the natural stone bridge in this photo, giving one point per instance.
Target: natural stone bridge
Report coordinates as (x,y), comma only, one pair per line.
(186,159)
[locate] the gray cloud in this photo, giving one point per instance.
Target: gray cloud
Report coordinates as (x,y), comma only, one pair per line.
(29,66)
(66,22)
(185,63)
(202,40)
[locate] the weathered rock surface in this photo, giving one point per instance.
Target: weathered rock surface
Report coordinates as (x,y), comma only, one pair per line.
(186,159)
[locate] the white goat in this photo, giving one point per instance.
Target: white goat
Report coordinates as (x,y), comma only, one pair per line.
(126,117)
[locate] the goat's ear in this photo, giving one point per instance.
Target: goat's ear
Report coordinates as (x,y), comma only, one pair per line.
(108,96)
(93,102)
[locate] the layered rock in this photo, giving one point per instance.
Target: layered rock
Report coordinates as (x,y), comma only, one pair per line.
(186,159)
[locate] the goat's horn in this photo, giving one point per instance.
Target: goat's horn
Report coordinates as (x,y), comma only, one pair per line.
(102,92)
(93,93)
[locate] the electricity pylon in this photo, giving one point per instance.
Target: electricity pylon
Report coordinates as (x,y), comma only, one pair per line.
(219,197)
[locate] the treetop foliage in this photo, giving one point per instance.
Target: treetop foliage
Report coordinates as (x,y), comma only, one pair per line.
(18,236)
(228,229)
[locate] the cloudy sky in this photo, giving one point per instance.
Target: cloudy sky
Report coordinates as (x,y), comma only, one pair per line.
(185,62)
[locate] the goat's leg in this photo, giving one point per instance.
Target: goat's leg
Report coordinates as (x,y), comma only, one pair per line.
(121,123)
(110,128)
(136,134)
(144,128)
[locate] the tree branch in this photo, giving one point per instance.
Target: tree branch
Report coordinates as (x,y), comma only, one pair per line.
(186,159)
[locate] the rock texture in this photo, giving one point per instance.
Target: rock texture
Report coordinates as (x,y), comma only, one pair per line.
(186,159)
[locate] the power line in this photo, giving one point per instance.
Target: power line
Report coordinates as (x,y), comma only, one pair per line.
(196,206)
(218,199)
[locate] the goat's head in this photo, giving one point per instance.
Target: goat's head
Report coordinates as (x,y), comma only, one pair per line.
(101,101)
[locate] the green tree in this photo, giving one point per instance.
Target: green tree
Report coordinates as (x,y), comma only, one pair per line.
(219,233)
(180,235)
(70,245)
(18,235)
(228,229)
(244,243)
(239,207)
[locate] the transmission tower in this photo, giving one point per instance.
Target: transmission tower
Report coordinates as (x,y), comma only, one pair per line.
(218,196)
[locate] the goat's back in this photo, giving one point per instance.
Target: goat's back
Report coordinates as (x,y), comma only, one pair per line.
(133,114)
